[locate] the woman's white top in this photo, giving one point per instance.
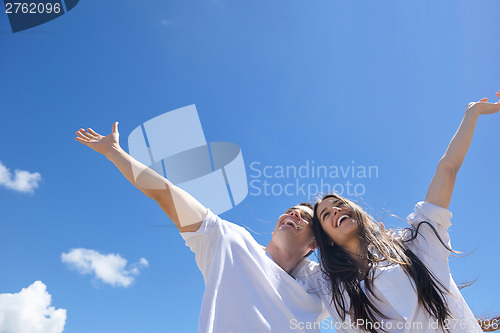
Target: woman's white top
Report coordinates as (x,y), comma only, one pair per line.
(397,297)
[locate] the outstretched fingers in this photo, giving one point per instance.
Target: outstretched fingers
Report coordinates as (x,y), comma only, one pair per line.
(94,133)
(85,134)
(81,135)
(84,141)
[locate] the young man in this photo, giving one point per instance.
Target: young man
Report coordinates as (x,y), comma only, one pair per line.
(248,288)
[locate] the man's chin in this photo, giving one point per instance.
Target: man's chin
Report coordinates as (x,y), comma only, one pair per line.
(286,236)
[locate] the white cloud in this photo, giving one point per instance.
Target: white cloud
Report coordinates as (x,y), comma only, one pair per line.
(109,268)
(22,181)
(29,311)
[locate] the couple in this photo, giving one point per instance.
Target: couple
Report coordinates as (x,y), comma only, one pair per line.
(368,280)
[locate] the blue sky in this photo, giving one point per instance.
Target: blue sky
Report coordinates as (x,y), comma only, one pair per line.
(339,83)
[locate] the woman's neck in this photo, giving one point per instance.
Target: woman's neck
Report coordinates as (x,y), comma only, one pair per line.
(355,251)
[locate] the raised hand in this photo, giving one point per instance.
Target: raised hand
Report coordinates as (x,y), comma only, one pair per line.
(99,143)
(483,107)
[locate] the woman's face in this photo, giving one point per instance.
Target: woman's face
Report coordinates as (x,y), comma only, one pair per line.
(337,220)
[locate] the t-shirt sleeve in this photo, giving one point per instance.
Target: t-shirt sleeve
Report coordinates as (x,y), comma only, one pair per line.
(203,241)
(310,277)
(428,242)
(307,273)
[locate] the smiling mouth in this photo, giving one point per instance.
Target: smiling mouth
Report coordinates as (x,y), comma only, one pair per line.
(342,219)
(291,222)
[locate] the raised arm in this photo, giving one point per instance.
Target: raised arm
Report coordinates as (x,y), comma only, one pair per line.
(441,187)
(184,210)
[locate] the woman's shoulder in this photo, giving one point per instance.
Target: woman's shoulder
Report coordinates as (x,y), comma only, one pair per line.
(428,212)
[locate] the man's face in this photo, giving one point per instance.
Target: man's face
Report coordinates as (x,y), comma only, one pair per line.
(294,227)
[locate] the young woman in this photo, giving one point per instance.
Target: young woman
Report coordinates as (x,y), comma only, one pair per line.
(375,282)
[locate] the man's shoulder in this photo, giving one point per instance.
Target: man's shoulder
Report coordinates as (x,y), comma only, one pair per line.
(215,221)
(305,268)
(214,227)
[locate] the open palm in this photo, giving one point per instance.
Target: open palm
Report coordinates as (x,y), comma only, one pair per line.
(99,143)
(483,107)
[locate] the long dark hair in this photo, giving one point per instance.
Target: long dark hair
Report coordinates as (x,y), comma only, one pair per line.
(345,274)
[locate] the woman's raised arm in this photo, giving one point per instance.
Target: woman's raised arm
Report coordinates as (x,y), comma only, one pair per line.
(441,187)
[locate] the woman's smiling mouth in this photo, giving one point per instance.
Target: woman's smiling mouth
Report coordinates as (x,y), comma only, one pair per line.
(342,219)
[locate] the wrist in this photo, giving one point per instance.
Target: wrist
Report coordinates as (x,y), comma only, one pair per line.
(472,111)
(112,151)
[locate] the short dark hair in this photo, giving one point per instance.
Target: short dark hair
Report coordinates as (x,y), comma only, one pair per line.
(307,204)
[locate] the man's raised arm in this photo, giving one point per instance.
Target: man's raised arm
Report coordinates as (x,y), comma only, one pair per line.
(183,209)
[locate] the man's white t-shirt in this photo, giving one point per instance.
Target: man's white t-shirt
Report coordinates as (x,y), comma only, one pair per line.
(245,290)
